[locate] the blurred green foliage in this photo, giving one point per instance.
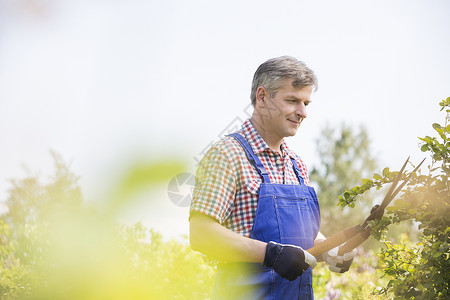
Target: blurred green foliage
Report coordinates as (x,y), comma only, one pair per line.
(138,177)
(55,246)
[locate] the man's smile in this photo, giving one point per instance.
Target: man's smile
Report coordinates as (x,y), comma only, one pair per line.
(295,122)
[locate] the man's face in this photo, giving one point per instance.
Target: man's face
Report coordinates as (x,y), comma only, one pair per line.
(285,111)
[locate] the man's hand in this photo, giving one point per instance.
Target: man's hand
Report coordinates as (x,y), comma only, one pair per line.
(339,263)
(287,260)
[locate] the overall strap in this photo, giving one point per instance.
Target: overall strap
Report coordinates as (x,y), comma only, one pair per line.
(297,171)
(254,160)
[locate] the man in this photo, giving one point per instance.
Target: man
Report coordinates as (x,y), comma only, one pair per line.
(253,208)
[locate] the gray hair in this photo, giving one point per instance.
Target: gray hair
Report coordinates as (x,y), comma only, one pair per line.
(273,73)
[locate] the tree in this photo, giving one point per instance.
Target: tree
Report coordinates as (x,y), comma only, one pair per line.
(31,202)
(344,158)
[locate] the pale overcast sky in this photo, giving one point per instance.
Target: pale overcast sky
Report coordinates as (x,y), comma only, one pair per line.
(103,82)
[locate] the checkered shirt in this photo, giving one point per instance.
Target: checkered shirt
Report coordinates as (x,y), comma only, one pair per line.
(226,184)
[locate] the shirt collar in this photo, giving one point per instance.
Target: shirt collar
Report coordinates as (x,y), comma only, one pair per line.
(256,141)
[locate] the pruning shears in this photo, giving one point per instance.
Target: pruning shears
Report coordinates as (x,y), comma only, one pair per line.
(354,236)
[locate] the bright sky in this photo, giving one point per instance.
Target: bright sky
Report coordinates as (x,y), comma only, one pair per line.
(106,82)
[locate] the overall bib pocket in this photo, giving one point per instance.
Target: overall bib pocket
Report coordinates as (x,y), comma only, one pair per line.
(294,221)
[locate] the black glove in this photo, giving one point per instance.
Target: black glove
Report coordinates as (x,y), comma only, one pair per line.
(287,260)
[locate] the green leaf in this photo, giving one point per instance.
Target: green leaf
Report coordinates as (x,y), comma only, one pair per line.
(424,148)
(437,126)
(367,181)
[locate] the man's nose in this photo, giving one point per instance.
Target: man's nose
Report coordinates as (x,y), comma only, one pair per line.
(301,110)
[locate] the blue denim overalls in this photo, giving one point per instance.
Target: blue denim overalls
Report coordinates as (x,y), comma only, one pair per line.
(287,214)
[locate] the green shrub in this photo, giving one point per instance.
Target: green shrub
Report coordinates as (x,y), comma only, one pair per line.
(421,270)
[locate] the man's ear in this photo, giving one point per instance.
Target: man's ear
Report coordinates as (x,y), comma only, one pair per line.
(261,95)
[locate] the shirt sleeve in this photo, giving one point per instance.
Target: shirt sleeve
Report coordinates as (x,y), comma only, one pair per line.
(215,186)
